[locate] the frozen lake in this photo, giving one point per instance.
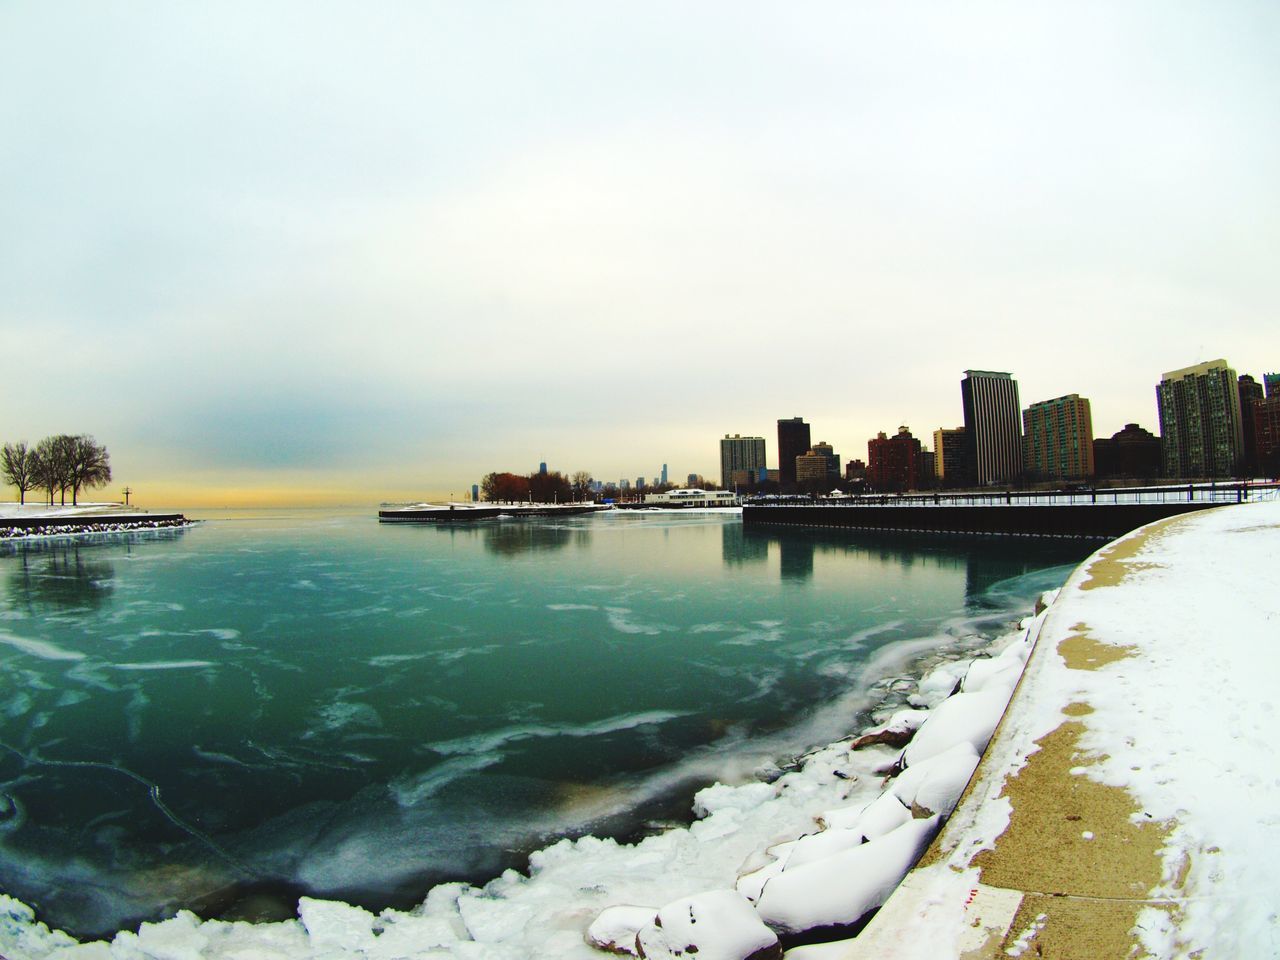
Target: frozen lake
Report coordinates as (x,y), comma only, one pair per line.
(275,703)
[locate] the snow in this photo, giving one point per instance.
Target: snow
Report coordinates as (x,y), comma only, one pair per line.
(840,889)
(718,925)
(40,511)
(1185,722)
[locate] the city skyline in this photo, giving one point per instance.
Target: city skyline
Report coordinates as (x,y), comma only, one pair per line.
(328,255)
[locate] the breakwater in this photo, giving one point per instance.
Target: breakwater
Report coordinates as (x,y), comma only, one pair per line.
(461,513)
(1099,514)
(11,527)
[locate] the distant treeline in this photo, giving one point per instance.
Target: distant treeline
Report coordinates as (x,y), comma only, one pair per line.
(56,465)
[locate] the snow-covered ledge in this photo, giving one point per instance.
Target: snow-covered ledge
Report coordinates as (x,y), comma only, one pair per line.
(1128,798)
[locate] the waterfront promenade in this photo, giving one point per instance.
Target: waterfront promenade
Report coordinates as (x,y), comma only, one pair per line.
(1090,514)
(1126,806)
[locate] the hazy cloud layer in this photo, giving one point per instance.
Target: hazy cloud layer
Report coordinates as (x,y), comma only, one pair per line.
(405,244)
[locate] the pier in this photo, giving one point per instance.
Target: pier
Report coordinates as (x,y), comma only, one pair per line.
(1099,514)
(467,512)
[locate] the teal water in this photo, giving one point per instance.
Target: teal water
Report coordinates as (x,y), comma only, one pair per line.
(270,704)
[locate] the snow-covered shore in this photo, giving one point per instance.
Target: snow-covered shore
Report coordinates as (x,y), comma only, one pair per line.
(1126,806)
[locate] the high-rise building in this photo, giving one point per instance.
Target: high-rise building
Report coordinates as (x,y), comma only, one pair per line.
(1057,438)
(793,441)
(1271,381)
(1250,392)
(664,474)
(951,457)
(1133,452)
(992,424)
(1200,420)
(739,453)
(542,468)
(1266,436)
(818,465)
(894,463)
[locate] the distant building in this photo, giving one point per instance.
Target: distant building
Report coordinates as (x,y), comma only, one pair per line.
(1057,438)
(951,457)
(639,483)
(1200,421)
(928,469)
(1271,381)
(893,463)
(855,470)
(693,498)
(475,493)
(739,453)
(1266,436)
(793,441)
(542,468)
(992,424)
(694,480)
(1133,453)
(664,474)
(624,484)
(818,465)
(1250,392)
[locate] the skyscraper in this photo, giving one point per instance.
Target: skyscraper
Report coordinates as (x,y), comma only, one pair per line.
(1271,381)
(1200,420)
(951,457)
(1250,392)
(793,441)
(992,425)
(818,466)
(1133,452)
(664,474)
(1057,439)
(740,453)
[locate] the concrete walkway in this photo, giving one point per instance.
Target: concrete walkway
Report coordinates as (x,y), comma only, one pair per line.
(1047,855)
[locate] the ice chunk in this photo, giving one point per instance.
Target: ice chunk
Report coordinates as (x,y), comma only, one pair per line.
(907,786)
(616,928)
(970,717)
(490,920)
(720,796)
(840,890)
(333,924)
(719,925)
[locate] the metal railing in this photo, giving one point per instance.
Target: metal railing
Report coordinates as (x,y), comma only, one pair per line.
(1185,493)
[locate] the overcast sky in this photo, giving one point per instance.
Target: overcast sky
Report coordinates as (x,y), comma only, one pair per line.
(359,251)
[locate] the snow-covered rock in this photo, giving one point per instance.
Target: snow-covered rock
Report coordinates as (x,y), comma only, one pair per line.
(840,890)
(615,928)
(887,812)
(895,732)
(965,717)
(719,925)
(935,785)
(989,672)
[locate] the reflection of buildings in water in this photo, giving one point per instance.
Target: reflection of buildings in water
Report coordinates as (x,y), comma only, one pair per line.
(985,561)
(795,558)
(60,576)
(523,536)
(740,545)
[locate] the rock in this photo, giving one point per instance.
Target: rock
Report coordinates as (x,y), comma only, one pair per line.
(839,891)
(719,925)
(616,928)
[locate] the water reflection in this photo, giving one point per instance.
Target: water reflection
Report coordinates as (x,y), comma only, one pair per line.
(739,547)
(58,577)
(984,561)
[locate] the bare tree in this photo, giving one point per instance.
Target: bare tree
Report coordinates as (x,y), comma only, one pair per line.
(89,465)
(17,464)
(581,481)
